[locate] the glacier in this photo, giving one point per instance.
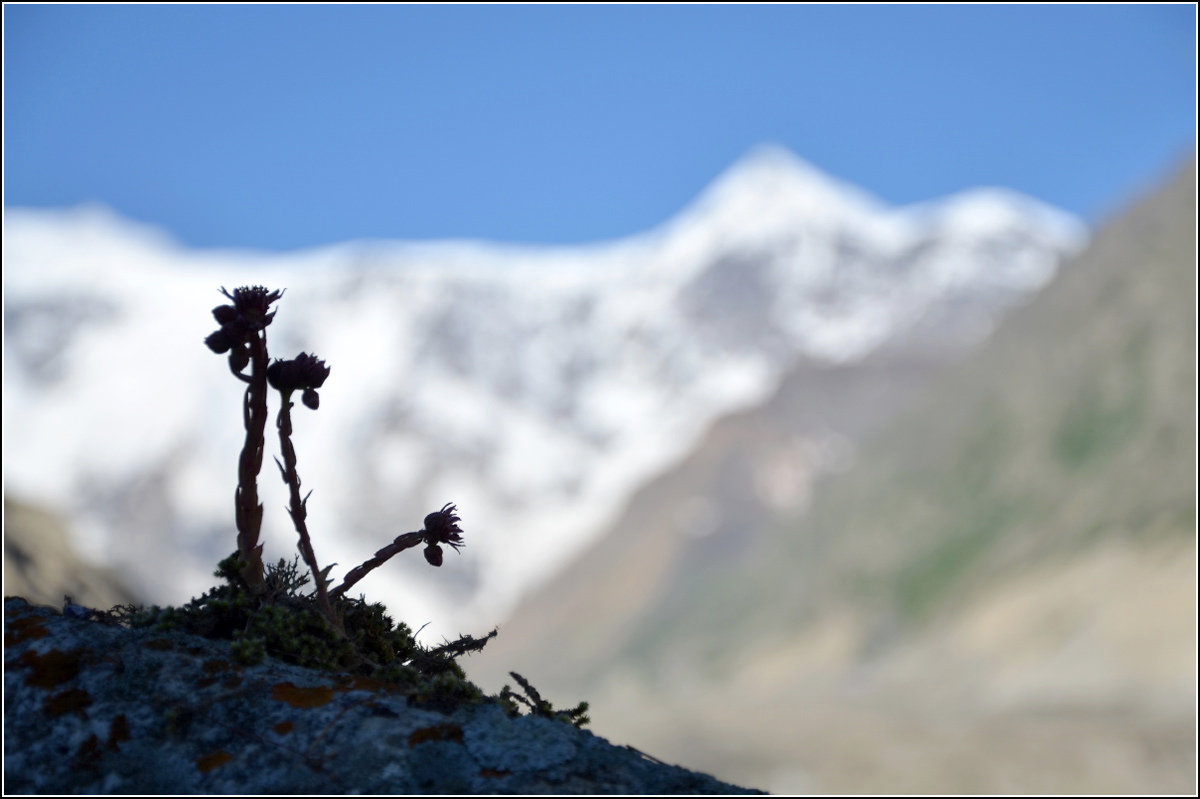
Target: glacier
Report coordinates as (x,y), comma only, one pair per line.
(535,387)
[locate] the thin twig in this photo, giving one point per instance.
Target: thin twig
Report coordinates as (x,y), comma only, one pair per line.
(299,511)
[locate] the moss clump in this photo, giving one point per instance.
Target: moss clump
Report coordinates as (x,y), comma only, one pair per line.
(285,623)
(538,706)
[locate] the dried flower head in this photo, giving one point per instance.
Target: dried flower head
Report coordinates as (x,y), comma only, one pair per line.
(441,527)
(240,322)
(303,373)
(251,307)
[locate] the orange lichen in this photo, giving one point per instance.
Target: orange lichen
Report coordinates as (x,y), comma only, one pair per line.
(89,751)
(284,727)
(51,669)
(212,668)
(71,701)
(118,731)
(487,772)
(438,732)
(212,761)
(25,628)
(314,696)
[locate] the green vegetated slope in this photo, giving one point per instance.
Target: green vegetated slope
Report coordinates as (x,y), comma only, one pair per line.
(1074,424)
(689,527)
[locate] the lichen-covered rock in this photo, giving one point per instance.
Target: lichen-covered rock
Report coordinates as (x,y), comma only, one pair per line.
(97,708)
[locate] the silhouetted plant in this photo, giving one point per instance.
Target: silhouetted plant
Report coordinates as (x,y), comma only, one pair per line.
(243,336)
(304,373)
(265,610)
(540,707)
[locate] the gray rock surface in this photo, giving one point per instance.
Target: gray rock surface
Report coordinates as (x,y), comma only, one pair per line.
(98,708)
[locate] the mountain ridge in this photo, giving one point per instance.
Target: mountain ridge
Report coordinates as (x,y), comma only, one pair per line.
(536,395)
(1012,552)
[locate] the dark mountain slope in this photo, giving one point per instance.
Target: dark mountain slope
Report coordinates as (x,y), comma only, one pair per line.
(1001,586)
(41,565)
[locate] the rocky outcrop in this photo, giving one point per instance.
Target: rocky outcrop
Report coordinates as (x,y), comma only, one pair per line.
(92,707)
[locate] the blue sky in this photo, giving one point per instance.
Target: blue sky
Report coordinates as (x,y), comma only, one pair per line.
(281,126)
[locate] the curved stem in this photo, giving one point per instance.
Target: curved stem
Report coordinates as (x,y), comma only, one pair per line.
(401,543)
(299,511)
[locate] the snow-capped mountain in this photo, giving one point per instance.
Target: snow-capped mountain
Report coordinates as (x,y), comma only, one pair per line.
(537,388)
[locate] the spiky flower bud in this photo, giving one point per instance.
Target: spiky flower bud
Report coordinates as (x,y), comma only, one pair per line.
(441,527)
(304,373)
(241,321)
(251,305)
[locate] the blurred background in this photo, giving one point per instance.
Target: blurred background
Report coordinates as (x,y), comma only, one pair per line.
(817,385)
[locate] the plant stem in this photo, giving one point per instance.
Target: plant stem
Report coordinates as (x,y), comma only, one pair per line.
(247,509)
(299,511)
(401,543)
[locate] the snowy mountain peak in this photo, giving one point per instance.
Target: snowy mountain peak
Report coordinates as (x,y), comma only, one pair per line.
(771,184)
(535,388)
(990,208)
